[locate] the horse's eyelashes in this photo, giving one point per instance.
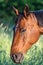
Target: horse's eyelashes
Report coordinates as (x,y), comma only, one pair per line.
(22,30)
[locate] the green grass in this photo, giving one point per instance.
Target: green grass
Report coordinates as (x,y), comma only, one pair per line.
(34,55)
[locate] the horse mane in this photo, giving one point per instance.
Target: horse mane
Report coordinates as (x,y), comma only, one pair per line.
(39,15)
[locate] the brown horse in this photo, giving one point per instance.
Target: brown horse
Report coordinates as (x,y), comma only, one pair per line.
(29,26)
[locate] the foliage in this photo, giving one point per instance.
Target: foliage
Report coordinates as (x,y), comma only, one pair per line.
(7,19)
(6,6)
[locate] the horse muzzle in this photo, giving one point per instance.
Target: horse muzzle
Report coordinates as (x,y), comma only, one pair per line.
(17,57)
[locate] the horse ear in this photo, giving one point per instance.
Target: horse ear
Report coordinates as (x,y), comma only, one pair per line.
(26,11)
(16,11)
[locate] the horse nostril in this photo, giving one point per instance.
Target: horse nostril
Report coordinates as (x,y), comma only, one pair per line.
(17,58)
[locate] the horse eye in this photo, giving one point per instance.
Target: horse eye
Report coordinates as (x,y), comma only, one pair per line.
(22,30)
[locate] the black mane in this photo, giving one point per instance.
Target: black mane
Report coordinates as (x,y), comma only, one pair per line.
(39,16)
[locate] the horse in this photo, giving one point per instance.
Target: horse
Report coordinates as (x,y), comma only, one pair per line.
(27,31)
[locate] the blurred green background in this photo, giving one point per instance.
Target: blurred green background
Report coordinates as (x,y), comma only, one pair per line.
(34,55)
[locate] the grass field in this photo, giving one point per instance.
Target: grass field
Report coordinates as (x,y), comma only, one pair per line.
(34,56)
